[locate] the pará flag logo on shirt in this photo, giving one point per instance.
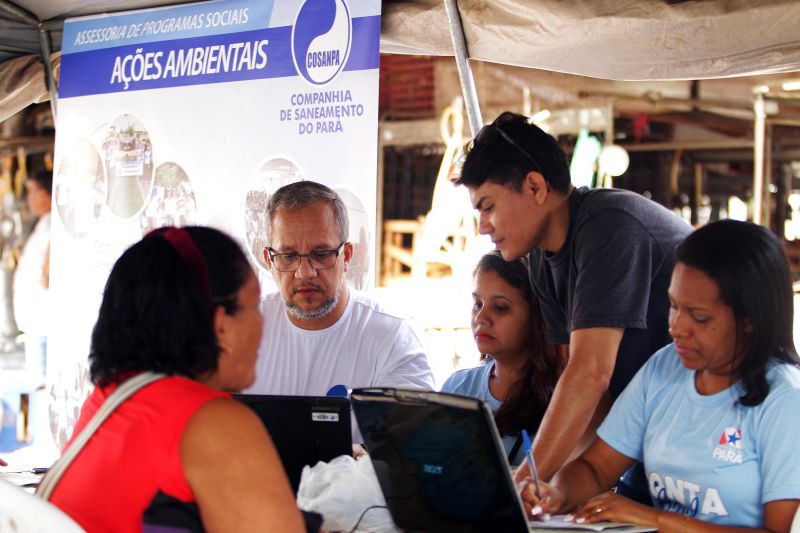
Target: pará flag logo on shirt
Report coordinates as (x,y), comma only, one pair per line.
(732,437)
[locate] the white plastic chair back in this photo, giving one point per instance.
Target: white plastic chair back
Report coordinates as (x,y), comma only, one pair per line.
(796,522)
(21,512)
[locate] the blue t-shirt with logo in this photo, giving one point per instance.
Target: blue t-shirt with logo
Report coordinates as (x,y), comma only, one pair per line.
(708,456)
(474,382)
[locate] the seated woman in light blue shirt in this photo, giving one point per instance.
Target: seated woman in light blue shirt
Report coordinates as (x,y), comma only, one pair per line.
(519,366)
(713,416)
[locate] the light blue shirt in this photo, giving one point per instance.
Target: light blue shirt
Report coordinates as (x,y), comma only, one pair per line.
(474,382)
(708,456)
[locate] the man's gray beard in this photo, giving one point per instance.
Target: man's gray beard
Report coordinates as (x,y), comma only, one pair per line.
(322,311)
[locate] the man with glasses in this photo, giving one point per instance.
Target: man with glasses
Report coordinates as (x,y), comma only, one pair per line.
(321,336)
(600,263)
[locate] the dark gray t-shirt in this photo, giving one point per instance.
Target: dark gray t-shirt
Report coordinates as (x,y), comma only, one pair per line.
(613,271)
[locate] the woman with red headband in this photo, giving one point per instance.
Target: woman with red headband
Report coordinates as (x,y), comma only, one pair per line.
(181,305)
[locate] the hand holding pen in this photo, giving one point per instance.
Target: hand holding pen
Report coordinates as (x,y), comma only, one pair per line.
(526,443)
(539,498)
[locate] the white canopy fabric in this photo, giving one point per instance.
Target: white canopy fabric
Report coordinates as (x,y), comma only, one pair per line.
(610,39)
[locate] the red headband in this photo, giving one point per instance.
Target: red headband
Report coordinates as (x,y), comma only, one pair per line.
(190,255)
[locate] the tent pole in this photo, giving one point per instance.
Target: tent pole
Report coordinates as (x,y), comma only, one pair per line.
(53,24)
(44,39)
(766,195)
(18,13)
(464,71)
(759,110)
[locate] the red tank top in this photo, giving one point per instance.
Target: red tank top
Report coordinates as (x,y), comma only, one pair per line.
(132,456)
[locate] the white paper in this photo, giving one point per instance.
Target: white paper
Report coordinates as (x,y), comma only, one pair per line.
(559,523)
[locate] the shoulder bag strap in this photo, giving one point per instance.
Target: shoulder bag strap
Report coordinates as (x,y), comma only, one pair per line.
(122,393)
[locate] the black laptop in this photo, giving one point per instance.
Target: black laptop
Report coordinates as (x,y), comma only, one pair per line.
(305,429)
(439,461)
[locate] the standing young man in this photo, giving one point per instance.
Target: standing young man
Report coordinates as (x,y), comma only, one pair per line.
(600,264)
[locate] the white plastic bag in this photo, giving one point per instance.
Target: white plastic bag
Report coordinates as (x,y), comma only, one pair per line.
(345,491)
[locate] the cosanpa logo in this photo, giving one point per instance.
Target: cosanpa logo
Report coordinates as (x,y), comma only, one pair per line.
(321,40)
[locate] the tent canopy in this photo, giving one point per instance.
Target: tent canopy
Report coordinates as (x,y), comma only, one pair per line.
(610,39)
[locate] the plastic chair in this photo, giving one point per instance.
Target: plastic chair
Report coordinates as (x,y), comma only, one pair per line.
(796,522)
(22,512)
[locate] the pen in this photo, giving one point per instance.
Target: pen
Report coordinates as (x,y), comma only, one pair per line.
(526,441)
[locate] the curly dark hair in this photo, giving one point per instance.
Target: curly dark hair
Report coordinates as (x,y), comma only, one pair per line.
(506,156)
(157,316)
(529,396)
(749,265)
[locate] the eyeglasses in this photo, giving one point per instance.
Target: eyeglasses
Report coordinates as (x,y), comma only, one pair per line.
(488,135)
(318,259)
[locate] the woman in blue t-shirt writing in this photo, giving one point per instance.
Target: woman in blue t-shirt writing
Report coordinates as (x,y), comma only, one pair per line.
(713,416)
(520,367)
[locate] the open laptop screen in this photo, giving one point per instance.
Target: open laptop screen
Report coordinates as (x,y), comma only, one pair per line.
(439,461)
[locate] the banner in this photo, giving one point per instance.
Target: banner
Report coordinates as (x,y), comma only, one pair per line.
(195,114)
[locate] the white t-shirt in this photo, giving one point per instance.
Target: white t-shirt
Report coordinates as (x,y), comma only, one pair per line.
(366,347)
(31,306)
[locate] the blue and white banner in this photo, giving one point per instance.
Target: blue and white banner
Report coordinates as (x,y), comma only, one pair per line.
(195,114)
(215,42)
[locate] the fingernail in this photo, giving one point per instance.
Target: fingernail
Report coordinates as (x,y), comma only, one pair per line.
(536,510)
(580,520)
(569,518)
(545,517)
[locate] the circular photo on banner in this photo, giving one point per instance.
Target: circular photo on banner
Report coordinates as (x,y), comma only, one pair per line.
(128,155)
(171,202)
(358,274)
(80,189)
(270,176)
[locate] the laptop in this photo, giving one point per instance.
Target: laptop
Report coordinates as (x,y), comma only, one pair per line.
(439,461)
(441,465)
(305,429)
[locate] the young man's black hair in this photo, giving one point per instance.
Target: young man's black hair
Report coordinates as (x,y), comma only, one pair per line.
(504,151)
